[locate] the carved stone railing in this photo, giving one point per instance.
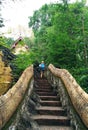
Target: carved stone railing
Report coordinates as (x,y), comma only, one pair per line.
(74,98)
(11,100)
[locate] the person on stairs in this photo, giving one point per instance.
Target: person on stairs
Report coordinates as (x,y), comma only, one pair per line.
(42,69)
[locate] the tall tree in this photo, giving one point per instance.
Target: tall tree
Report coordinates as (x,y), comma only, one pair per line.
(64,40)
(60,29)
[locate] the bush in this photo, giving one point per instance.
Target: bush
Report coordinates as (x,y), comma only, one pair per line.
(81,76)
(21,62)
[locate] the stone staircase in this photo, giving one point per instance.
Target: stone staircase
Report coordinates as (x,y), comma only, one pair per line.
(50,114)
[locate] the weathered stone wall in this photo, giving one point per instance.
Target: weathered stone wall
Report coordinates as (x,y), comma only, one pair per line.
(10,101)
(5,76)
(73,98)
(23,117)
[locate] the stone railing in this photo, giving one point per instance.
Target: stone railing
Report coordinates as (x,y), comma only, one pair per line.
(11,100)
(74,98)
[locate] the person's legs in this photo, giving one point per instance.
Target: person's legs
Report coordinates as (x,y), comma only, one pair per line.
(42,73)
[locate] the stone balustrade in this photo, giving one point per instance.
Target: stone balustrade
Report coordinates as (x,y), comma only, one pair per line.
(74,98)
(10,101)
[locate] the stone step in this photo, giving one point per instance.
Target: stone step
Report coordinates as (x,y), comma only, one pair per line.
(44,86)
(46,110)
(50,115)
(55,128)
(51,120)
(43,89)
(42,82)
(46,93)
(49,98)
(50,103)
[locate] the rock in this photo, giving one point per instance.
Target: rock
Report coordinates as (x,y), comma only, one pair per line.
(7,55)
(5,69)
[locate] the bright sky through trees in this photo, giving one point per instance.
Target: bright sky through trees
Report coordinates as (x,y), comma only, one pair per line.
(15,14)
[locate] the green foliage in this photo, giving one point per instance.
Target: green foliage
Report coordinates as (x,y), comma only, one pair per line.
(29,41)
(2,41)
(21,62)
(61,32)
(21,43)
(6,41)
(81,75)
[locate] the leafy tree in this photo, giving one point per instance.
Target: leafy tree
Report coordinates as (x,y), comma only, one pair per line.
(61,36)
(6,41)
(29,41)
(21,62)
